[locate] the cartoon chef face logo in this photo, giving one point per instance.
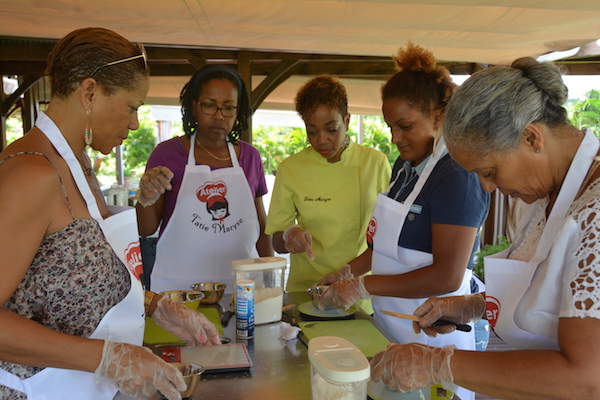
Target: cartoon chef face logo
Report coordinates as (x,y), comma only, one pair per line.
(213,194)
(371,230)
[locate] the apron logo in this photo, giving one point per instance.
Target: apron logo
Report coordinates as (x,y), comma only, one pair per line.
(492,310)
(371,230)
(213,194)
(133,257)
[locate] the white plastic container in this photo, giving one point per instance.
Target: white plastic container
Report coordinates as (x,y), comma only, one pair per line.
(117,195)
(338,369)
(267,274)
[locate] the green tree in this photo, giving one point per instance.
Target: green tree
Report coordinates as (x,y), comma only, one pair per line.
(275,144)
(584,113)
(135,150)
(376,134)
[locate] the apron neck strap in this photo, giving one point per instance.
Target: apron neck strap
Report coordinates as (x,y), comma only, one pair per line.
(575,176)
(49,128)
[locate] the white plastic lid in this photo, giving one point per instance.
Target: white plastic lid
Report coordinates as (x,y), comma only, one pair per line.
(338,360)
(258,264)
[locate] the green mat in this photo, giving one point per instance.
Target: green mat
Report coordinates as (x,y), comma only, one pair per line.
(360,332)
(153,334)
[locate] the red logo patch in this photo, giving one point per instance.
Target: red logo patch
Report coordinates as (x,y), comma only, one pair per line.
(371,230)
(211,192)
(492,310)
(133,257)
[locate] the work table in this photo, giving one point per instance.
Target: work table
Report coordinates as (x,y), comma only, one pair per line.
(281,369)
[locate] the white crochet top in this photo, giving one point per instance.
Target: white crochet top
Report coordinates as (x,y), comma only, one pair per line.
(579,240)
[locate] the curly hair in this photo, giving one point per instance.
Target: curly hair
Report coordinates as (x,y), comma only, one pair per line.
(419,80)
(192,89)
(77,55)
(321,90)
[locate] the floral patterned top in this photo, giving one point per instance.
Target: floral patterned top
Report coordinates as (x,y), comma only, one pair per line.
(74,280)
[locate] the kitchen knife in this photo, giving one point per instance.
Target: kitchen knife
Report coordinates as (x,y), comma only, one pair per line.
(439,322)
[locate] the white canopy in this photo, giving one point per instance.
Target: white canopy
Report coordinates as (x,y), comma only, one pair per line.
(481,31)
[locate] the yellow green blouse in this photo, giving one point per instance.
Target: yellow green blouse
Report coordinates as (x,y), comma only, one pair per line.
(332,201)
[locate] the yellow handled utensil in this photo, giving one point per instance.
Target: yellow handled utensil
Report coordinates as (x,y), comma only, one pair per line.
(439,322)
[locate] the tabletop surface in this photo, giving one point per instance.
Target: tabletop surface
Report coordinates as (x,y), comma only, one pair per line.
(281,369)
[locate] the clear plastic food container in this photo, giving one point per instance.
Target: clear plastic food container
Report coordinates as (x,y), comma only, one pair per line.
(338,369)
(267,274)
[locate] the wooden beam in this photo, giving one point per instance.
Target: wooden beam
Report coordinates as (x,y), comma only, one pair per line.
(244,69)
(27,83)
(271,82)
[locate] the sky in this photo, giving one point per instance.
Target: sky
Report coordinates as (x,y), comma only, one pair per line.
(578,85)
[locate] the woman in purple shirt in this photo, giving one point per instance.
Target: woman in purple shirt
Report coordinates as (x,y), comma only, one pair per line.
(189,177)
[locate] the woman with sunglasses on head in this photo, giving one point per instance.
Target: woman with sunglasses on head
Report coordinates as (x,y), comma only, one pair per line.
(73,307)
(204,189)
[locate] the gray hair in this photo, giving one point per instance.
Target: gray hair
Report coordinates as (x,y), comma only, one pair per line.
(489,112)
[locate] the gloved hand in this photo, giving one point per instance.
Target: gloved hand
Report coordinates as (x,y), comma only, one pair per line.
(409,367)
(297,240)
(137,372)
(185,323)
(344,294)
(459,309)
(154,183)
(343,273)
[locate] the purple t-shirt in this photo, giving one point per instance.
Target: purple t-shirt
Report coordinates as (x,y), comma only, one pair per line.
(173,155)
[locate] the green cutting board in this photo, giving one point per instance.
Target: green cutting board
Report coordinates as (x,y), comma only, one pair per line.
(154,334)
(360,332)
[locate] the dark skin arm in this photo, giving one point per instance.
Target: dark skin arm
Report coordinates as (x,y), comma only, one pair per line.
(264,244)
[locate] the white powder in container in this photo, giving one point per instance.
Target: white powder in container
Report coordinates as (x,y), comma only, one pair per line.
(268,303)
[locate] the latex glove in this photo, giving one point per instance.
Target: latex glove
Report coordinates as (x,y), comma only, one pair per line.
(137,372)
(288,332)
(409,367)
(185,323)
(343,273)
(459,309)
(153,184)
(344,294)
(297,240)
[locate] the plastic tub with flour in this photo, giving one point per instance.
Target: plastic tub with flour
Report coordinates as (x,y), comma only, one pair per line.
(267,274)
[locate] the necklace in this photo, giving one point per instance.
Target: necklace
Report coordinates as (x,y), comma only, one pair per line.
(593,168)
(86,170)
(213,156)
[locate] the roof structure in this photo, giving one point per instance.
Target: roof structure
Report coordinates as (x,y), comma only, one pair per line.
(277,44)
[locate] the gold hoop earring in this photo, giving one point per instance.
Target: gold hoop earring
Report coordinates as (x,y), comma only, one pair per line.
(88,135)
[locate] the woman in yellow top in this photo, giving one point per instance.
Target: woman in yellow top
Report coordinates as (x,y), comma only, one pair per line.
(324,195)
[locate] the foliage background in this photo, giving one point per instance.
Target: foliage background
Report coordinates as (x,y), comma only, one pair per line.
(277,143)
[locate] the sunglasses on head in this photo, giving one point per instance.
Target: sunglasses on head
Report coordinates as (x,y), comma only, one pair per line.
(142,55)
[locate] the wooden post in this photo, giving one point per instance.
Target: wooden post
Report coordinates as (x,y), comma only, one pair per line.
(244,69)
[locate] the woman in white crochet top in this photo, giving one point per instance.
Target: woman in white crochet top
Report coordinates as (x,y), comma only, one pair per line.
(507,124)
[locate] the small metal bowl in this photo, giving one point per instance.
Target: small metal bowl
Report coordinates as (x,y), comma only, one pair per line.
(213,291)
(183,296)
(191,375)
(315,295)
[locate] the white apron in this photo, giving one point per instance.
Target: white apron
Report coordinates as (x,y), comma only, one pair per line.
(122,323)
(522,297)
(390,259)
(198,243)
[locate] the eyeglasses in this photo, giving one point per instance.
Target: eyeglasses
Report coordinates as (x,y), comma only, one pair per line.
(211,109)
(142,55)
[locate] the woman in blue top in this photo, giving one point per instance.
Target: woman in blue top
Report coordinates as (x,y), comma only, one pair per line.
(424,231)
